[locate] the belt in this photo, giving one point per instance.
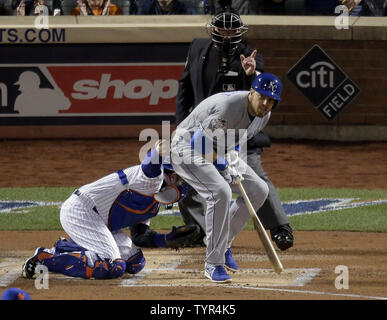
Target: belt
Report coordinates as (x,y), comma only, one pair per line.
(80,194)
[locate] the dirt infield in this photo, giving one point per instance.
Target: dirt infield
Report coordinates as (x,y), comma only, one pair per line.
(169,275)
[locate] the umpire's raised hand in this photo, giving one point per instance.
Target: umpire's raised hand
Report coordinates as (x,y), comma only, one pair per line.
(248,63)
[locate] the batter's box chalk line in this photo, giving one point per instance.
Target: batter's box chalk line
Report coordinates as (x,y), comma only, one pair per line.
(164,277)
(10,270)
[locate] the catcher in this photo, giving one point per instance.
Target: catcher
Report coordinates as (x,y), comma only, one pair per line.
(95,215)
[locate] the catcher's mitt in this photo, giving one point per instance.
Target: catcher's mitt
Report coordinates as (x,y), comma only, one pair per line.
(183,236)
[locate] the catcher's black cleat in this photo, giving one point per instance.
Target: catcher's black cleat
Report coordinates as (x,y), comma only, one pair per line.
(29,266)
(282,236)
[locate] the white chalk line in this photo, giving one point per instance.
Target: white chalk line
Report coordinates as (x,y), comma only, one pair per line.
(8,278)
(349,295)
(323,293)
(170,266)
(14,271)
(306,276)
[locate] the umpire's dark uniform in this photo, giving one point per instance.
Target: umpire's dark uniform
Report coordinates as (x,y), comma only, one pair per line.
(202,77)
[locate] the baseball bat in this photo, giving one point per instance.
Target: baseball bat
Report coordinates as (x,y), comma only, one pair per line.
(273,257)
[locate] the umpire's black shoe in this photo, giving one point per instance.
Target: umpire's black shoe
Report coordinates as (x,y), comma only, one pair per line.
(282,236)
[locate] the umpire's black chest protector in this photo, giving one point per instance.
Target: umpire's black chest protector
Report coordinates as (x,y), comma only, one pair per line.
(224,72)
(228,71)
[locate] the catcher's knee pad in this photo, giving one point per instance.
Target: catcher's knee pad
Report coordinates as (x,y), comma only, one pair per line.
(76,264)
(135,263)
(107,269)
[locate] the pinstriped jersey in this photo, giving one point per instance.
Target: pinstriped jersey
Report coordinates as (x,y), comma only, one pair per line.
(106,190)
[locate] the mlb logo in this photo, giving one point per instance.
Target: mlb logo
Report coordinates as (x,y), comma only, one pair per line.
(323,83)
(30,91)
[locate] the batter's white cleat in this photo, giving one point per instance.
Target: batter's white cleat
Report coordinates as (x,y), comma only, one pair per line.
(216,273)
(28,270)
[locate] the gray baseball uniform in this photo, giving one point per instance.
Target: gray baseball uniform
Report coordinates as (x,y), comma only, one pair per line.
(224,113)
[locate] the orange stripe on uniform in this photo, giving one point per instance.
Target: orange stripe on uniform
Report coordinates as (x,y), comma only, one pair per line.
(44,255)
(89,272)
(137,211)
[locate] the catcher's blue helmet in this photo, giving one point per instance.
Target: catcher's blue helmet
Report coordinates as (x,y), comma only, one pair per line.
(268,85)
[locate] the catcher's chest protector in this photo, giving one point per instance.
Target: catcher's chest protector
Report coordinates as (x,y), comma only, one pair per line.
(131,208)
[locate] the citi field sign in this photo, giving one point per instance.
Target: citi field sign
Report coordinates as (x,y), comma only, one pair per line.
(63,90)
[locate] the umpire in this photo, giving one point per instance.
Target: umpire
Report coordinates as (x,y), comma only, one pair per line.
(218,64)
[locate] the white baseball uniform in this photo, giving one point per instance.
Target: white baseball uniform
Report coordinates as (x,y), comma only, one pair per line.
(91,215)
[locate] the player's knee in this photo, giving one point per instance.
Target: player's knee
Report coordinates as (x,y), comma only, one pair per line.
(223,192)
(135,263)
(265,190)
(108,269)
(118,268)
(259,195)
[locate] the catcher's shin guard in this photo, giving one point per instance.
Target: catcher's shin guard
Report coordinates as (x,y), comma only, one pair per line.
(108,269)
(135,263)
(75,264)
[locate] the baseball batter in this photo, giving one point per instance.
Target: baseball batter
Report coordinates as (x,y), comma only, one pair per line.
(242,114)
(95,215)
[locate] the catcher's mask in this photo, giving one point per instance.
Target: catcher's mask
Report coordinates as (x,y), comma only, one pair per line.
(268,85)
(172,191)
(226,29)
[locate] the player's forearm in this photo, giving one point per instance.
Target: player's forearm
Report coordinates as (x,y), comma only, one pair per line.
(151,165)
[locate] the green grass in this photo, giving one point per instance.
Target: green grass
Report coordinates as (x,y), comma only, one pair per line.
(368,219)
(36,194)
(356,219)
(37,218)
(289,194)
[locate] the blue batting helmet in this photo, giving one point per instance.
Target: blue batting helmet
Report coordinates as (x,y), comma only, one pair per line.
(268,85)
